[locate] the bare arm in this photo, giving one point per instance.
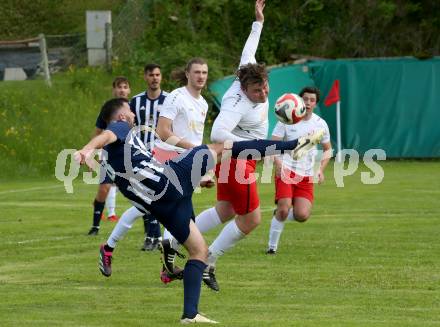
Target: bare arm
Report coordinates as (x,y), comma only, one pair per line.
(327,154)
(165,131)
(82,156)
(97,131)
(251,45)
(277,159)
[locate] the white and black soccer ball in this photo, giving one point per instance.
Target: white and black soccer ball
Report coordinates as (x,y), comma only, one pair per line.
(290,108)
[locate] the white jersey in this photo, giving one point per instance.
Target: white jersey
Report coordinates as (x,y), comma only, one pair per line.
(304,166)
(240,118)
(188,115)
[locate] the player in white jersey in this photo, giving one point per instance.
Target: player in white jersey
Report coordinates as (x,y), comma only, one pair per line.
(243,116)
(182,118)
(181,124)
(294,178)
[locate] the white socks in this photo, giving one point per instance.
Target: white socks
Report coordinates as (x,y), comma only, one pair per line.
(276,228)
(207,220)
(290,215)
(110,202)
(124,224)
(228,237)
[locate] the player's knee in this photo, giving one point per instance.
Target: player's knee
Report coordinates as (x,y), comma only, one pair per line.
(302,216)
(200,251)
(282,213)
(225,212)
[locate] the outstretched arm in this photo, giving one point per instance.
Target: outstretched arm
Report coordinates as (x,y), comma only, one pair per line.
(250,48)
(82,156)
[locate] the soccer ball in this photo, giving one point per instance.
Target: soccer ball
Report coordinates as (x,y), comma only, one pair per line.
(290,108)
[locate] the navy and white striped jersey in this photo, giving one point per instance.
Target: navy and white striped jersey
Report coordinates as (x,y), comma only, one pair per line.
(147,114)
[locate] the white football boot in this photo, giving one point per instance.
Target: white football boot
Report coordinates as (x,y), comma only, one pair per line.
(198,319)
(306,143)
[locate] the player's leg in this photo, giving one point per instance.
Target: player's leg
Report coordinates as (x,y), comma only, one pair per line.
(302,209)
(277,223)
(122,227)
(153,234)
(240,190)
(192,277)
(98,207)
(303,195)
(284,188)
(184,230)
(110,204)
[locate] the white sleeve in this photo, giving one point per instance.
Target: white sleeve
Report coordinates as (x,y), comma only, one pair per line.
(223,125)
(250,48)
(279,130)
(170,108)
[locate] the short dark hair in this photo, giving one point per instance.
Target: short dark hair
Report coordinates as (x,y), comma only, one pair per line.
(150,67)
(311,89)
(252,74)
(119,80)
(109,108)
(179,74)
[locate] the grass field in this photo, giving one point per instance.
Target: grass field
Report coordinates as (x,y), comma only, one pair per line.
(369,256)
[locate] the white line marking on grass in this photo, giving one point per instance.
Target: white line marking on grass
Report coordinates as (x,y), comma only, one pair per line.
(31,189)
(56,238)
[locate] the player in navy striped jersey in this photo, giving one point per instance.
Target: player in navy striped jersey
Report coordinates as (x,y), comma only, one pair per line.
(166,189)
(146,106)
(107,191)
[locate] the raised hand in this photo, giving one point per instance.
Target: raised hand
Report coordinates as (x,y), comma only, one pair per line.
(259,6)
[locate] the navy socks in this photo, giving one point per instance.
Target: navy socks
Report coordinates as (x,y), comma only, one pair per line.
(192,283)
(151,226)
(98,208)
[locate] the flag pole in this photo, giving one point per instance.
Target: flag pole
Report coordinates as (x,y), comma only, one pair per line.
(338,131)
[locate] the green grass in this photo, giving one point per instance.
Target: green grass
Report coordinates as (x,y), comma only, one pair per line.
(369,256)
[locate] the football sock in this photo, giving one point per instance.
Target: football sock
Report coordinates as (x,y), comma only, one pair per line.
(290,215)
(192,281)
(151,226)
(276,228)
(124,224)
(110,202)
(207,220)
(98,207)
(261,148)
(228,237)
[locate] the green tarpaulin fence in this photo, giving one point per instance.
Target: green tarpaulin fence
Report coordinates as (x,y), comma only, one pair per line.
(389,104)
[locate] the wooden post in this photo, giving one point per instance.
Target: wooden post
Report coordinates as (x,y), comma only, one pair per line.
(108,46)
(44,59)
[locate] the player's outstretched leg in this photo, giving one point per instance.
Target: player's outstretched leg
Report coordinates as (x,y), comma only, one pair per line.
(306,143)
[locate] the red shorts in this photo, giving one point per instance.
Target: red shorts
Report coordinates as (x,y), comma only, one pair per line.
(293,186)
(162,155)
(236,183)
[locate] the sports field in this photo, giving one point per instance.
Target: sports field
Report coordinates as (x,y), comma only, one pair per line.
(369,256)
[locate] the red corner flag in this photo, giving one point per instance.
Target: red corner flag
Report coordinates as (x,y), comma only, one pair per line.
(333,95)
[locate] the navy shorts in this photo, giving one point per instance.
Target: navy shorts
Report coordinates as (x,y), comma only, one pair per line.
(173,208)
